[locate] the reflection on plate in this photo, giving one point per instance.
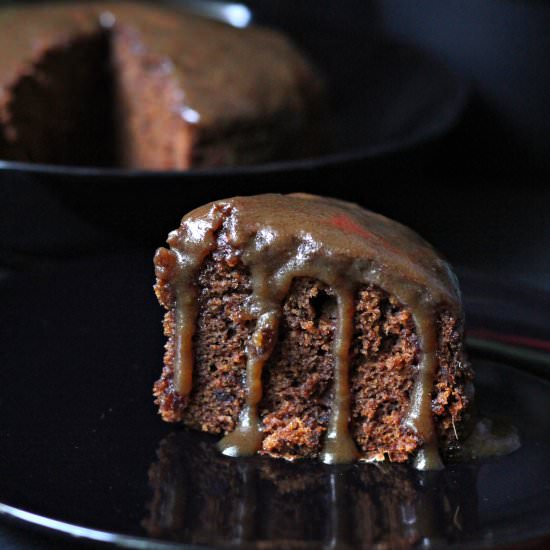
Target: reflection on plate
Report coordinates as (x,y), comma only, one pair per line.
(84,452)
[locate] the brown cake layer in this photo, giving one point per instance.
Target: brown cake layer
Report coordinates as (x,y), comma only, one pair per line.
(60,109)
(146,86)
(298,378)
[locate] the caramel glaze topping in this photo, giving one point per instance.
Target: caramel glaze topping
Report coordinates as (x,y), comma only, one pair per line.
(281,237)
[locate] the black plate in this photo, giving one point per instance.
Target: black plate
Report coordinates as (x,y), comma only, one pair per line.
(384,97)
(84,453)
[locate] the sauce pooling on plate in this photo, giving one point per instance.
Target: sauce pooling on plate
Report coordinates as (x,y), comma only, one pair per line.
(279,238)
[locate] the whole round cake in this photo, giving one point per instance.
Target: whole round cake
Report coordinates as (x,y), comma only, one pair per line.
(145,86)
(303,326)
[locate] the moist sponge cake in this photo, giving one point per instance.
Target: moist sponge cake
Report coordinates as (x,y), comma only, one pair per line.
(145,86)
(302,326)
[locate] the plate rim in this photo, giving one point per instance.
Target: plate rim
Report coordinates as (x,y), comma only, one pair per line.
(356,154)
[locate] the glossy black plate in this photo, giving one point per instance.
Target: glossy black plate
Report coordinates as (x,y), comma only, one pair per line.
(83,452)
(384,96)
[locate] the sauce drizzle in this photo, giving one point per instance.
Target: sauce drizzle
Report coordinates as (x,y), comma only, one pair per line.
(280,238)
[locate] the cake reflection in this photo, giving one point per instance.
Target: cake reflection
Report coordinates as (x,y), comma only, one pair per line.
(202,497)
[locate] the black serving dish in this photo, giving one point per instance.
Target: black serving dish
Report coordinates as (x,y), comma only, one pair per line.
(388,101)
(85,456)
(384,96)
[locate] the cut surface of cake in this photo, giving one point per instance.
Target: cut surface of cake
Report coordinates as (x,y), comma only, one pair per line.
(302,326)
(144,86)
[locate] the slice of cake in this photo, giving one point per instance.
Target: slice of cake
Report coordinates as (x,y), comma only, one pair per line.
(145,86)
(302,326)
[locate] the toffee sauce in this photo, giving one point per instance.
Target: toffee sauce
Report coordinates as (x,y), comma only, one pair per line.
(282,237)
